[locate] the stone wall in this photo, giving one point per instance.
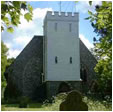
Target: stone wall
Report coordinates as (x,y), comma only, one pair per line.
(87,62)
(25,72)
(53,86)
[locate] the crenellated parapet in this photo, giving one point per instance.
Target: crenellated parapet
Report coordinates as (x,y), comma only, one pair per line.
(64,16)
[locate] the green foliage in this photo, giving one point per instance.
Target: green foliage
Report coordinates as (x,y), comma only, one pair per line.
(104,67)
(28,17)
(10,29)
(61,96)
(4,51)
(92,50)
(24,102)
(90,2)
(10,61)
(4,64)
(101,21)
(97,105)
(11,12)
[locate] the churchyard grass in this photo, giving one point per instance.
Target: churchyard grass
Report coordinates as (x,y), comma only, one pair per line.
(93,105)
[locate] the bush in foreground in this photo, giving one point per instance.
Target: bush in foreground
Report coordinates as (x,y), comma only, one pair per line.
(24,102)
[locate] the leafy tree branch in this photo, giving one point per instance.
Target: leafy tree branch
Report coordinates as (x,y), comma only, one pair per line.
(11,12)
(101,21)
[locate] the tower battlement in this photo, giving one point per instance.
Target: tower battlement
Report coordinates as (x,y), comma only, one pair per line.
(69,16)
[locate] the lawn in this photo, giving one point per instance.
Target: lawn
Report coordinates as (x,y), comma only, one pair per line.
(31,107)
(93,105)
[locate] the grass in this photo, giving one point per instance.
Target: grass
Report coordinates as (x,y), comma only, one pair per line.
(97,104)
(93,105)
(15,107)
(31,107)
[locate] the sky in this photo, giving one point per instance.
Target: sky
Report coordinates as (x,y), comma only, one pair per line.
(26,30)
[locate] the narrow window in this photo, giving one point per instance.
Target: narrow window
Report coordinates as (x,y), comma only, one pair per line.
(70,27)
(56,60)
(70,60)
(55,26)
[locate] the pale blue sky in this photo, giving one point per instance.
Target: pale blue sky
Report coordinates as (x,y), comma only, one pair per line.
(25,32)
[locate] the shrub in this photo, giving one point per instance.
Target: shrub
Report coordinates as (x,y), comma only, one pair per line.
(10,101)
(24,102)
(61,96)
(49,101)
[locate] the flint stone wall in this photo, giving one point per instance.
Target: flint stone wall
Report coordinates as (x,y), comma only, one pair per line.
(87,61)
(53,86)
(25,72)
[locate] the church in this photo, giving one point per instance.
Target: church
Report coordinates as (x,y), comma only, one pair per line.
(56,62)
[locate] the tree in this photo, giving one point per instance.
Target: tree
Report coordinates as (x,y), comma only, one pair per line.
(92,50)
(101,21)
(11,12)
(5,63)
(10,61)
(4,51)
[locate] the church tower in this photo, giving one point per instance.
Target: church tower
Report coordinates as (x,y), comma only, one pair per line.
(61,59)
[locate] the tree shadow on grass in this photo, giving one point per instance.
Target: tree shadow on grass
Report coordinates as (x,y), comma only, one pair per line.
(35,105)
(31,105)
(11,105)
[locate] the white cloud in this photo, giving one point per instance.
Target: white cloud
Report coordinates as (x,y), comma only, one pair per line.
(13,53)
(40,13)
(86,41)
(8,45)
(22,40)
(24,24)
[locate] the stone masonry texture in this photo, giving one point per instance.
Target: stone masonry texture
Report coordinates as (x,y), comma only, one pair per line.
(88,62)
(27,68)
(25,72)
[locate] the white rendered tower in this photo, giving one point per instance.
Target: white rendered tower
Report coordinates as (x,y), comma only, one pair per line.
(61,47)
